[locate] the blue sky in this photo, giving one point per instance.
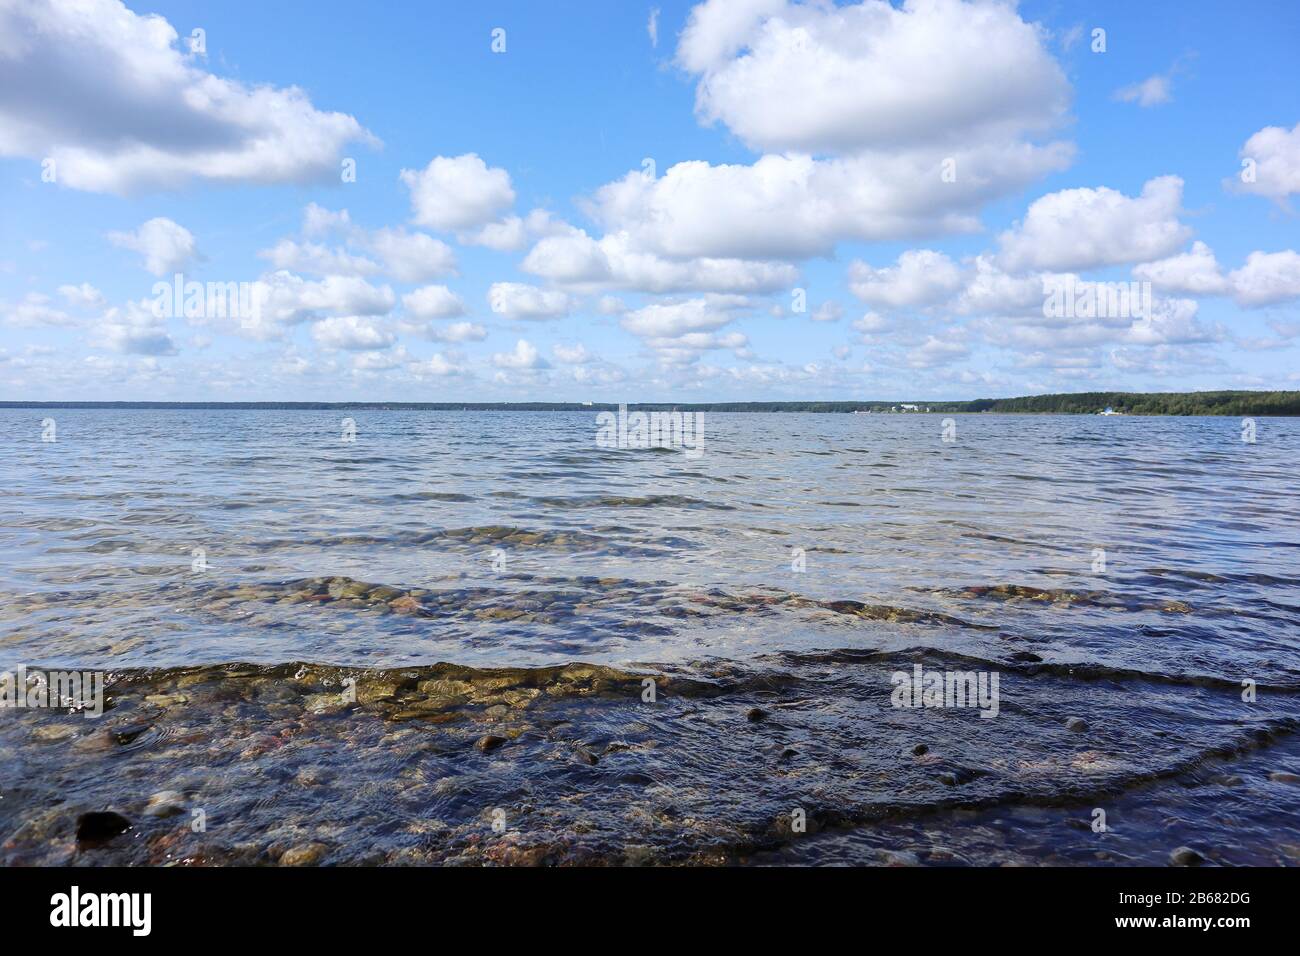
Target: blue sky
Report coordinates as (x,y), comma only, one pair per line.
(792,146)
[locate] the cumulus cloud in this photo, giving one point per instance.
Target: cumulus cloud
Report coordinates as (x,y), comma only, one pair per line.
(317,259)
(1271,163)
(524,356)
(457,192)
(1090,228)
(84,295)
(352,333)
(412,256)
(1189,273)
(572,354)
(819,78)
(133,329)
(166,246)
(1267,278)
(796,207)
(433,302)
(664,320)
(515,300)
(455,332)
(109,96)
(513,233)
(575,259)
(288,299)
(921,277)
(436,366)
(34,309)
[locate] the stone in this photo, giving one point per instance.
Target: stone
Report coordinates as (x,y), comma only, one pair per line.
(1185,856)
(489,742)
(165,803)
(1076,723)
(920,750)
(1283,776)
(755,714)
(101,825)
(308,854)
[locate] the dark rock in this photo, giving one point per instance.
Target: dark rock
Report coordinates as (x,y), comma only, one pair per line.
(585,755)
(101,825)
(755,714)
(1185,856)
(126,733)
(489,742)
(1282,776)
(1076,723)
(920,750)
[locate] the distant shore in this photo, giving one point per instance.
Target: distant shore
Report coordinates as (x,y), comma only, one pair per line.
(1233,403)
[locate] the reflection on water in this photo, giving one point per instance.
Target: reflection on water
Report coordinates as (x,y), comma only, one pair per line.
(1124,576)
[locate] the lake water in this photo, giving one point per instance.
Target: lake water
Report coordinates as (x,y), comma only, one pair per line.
(351,649)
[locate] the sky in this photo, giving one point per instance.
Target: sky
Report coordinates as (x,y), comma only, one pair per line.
(590,201)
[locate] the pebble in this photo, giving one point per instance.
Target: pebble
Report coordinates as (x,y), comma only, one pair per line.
(309,854)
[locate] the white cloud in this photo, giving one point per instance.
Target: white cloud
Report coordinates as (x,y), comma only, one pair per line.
(1275,152)
(575,259)
(935,351)
(515,300)
(455,332)
(459,192)
(412,256)
(1089,228)
(165,245)
(824,78)
(436,366)
(794,207)
(1189,273)
(572,354)
(109,96)
(34,309)
(134,329)
(524,356)
(828,311)
(433,302)
(921,277)
(317,259)
(84,295)
(288,299)
(319,221)
(513,233)
(1153,91)
(652,27)
(352,332)
(662,320)
(1267,278)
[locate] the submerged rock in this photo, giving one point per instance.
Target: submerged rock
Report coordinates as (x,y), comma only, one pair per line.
(1185,856)
(308,854)
(165,803)
(101,825)
(489,742)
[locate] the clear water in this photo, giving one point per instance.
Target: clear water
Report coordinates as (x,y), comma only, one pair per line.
(1130,572)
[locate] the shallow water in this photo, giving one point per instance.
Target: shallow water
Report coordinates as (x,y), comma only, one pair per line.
(1128,573)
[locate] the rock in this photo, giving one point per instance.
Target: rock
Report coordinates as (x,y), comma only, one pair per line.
(1185,856)
(53,733)
(899,858)
(1283,776)
(125,733)
(585,755)
(166,700)
(489,742)
(1076,723)
(755,714)
(920,750)
(165,803)
(789,753)
(406,605)
(101,825)
(308,854)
